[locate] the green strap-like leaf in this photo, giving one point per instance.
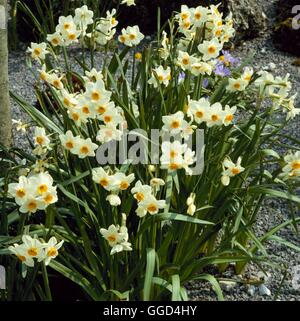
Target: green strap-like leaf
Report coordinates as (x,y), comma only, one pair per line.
(149,274)
(176,289)
(274,193)
(215,284)
(36,115)
(180,217)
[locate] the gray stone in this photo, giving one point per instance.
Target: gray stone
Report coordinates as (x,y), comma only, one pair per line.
(249,19)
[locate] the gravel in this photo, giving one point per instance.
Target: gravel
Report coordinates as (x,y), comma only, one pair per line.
(272,213)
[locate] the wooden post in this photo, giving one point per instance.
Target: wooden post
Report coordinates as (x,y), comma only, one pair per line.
(5,116)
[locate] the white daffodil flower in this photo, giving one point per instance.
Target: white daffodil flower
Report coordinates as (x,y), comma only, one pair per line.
(239,84)
(102,108)
(150,205)
(131,36)
(55,39)
(96,92)
(92,76)
(101,177)
(160,76)
(40,137)
(199,110)
(172,155)
(50,197)
(77,116)
(156,182)
(20,252)
(20,126)
(210,49)
(176,156)
(32,205)
(50,251)
(41,183)
(111,117)
(184,60)
(122,181)
(188,160)
(20,191)
(113,199)
(128,2)
(215,115)
(38,51)
(84,148)
(199,16)
(247,74)
(33,247)
(185,13)
(112,235)
(290,108)
(141,191)
(201,68)
(231,169)
(108,133)
(69,100)
(86,107)
(68,141)
(83,17)
(117,238)
(54,80)
(175,123)
(229,115)
(292,166)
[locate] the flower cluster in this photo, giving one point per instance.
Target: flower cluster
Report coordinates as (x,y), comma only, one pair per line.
(240,84)
(34,249)
(78,146)
(131,36)
(177,156)
(193,64)
(93,103)
(145,196)
(41,141)
(278,89)
(118,182)
(230,170)
(117,238)
(113,183)
(160,76)
(105,29)
(33,193)
(216,31)
(70,28)
(202,111)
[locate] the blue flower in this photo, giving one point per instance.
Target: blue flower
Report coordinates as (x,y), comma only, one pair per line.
(221,70)
(205,83)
